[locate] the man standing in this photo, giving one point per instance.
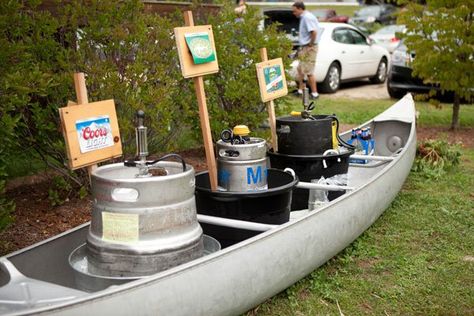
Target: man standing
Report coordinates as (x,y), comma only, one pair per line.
(308,34)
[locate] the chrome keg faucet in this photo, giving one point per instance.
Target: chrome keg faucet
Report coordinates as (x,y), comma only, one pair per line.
(142,144)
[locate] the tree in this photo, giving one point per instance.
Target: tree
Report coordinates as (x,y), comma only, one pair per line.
(128,55)
(442,35)
(233,93)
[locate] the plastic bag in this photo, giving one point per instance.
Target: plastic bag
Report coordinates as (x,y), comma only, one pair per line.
(317,197)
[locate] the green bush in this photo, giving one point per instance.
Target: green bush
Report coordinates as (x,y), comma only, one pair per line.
(128,56)
(6,207)
(33,85)
(233,92)
(435,157)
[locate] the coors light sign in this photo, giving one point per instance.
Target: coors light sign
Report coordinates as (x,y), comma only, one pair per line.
(94,133)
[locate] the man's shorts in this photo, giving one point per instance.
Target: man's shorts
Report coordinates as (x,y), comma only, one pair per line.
(307,58)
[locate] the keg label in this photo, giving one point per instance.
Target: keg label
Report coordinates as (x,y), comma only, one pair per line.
(254,176)
(94,133)
(118,227)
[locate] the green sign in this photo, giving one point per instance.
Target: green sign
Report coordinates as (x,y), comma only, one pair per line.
(273,78)
(201,47)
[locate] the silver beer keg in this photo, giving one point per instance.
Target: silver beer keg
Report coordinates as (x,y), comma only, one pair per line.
(142,225)
(241,164)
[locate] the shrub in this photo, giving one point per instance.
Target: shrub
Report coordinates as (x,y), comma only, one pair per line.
(233,92)
(6,207)
(435,157)
(126,55)
(130,56)
(33,84)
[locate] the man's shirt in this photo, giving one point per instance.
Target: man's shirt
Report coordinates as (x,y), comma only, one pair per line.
(308,23)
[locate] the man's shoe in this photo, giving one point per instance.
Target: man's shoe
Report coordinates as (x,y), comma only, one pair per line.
(313,97)
(297,94)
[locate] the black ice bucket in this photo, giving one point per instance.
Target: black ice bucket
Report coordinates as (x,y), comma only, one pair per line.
(271,206)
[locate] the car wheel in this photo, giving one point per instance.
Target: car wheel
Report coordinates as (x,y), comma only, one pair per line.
(381,73)
(395,93)
(332,81)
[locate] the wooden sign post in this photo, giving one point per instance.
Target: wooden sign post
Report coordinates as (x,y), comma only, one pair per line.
(271,89)
(90,130)
(195,69)
(82,98)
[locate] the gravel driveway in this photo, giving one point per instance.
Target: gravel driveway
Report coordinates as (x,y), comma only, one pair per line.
(361,89)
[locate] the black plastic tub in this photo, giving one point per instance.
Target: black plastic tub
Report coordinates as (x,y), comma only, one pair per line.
(271,206)
(297,136)
(308,167)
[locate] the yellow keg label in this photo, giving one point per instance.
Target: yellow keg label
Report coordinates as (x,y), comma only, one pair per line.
(118,227)
(335,142)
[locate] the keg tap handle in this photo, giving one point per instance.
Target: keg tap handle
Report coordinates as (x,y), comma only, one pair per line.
(307,107)
(140,131)
(142,144)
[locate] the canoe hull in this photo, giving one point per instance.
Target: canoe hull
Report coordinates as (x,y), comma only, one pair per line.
(241,276)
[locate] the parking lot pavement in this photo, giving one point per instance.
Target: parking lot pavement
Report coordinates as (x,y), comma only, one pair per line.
(361,89)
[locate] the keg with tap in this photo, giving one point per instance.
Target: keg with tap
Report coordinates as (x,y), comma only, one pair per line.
(310,145)
(303,133)
(144,215)
(241,161)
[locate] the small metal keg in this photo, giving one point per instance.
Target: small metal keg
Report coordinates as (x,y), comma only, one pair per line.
(242,165)
(142,225)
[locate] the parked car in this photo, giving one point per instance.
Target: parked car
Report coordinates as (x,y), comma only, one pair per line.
(344,54)
(329,15)
(400,78)
(289,23)
(381,13)
(387,36)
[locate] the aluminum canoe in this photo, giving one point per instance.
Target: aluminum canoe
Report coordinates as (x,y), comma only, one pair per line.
(237,278)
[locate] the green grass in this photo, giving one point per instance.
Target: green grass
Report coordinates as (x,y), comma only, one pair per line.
(417,259)
(349,111)
(356,111)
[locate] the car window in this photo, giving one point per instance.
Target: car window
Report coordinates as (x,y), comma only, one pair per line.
(358,38)
(285,19)
(342,36)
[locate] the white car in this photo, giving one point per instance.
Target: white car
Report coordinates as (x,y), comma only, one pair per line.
(387,36)
(344,54)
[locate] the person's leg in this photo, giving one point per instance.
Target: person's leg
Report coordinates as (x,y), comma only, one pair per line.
(299,74)
(312,52)
(300,80)
(312,83)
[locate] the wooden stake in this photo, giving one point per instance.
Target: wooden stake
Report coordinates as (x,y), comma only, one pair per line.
(270,109)
(204,117)
(81,93)
(80,87)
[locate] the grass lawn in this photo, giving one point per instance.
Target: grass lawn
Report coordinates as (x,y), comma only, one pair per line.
(418,257)
(349,111)
(357,111)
